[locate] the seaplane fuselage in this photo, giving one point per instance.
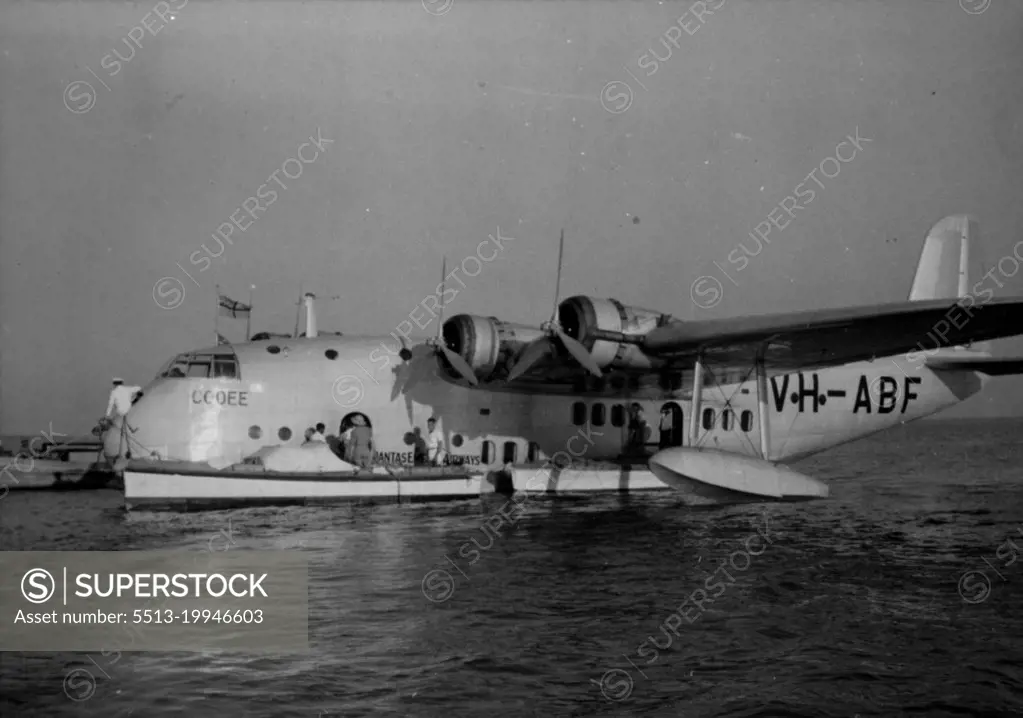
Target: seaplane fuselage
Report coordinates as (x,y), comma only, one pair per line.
(232,401)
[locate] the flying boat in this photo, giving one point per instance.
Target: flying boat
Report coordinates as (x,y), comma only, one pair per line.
(562,407)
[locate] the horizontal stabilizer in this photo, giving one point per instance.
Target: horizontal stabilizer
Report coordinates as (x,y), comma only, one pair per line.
(984,365)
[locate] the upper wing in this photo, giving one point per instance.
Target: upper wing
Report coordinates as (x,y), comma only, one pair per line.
(815,339)
(790,342)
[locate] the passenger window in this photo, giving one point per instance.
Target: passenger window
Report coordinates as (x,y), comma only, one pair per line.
(225,368)
(510,452)
(533,454)
(599,414)
(487,452)
(708,419)
(579,413)
(726,419)
(617,415)
(746,420)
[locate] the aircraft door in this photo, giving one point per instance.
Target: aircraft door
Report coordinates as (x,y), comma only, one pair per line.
(671,425)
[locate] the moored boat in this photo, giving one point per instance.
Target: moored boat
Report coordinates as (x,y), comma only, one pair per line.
(280,476)
(21,473)
(313,474)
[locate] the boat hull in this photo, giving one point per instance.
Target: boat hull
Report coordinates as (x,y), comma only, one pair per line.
(158,488)
(711,480)
(28,474)
(154,487)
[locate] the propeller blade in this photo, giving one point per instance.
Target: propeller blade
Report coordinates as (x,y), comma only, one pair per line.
(401,381)
(578,351)
(530,356)
(460,365)
(443,276)
(419,368)
(557,283)
(417,362)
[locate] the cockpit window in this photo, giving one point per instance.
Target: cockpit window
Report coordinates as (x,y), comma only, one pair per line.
(199,368)
(225,367)
(176,367)
(222,364)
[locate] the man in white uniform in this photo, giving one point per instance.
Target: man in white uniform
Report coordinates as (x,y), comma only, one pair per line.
(115,442)
(121,397)
(435,451)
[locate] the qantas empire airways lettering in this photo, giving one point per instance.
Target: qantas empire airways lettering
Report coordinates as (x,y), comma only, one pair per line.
(408,457)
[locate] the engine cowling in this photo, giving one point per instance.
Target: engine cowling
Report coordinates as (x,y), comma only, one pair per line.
(487,343)
(602,325)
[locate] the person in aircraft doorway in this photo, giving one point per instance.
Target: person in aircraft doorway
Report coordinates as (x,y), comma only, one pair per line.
(359,450)
(639,431)
(345,439)
(667,424)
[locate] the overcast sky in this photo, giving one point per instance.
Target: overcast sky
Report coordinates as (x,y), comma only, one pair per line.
(444,127)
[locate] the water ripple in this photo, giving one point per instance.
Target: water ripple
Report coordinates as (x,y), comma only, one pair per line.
(852,608)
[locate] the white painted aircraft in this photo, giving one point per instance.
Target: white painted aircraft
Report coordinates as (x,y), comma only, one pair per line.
(768,389)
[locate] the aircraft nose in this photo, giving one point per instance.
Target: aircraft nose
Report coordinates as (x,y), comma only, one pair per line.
(155,420)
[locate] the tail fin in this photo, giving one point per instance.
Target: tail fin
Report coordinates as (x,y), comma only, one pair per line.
(944,268)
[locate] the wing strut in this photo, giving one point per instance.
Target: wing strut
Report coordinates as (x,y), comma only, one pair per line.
(763,407)
(694,414)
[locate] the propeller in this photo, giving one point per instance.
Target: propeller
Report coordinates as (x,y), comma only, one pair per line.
(417,366)
(553,334)
(415,360)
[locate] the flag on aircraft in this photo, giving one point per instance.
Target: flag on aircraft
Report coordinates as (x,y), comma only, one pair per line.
(231,308)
